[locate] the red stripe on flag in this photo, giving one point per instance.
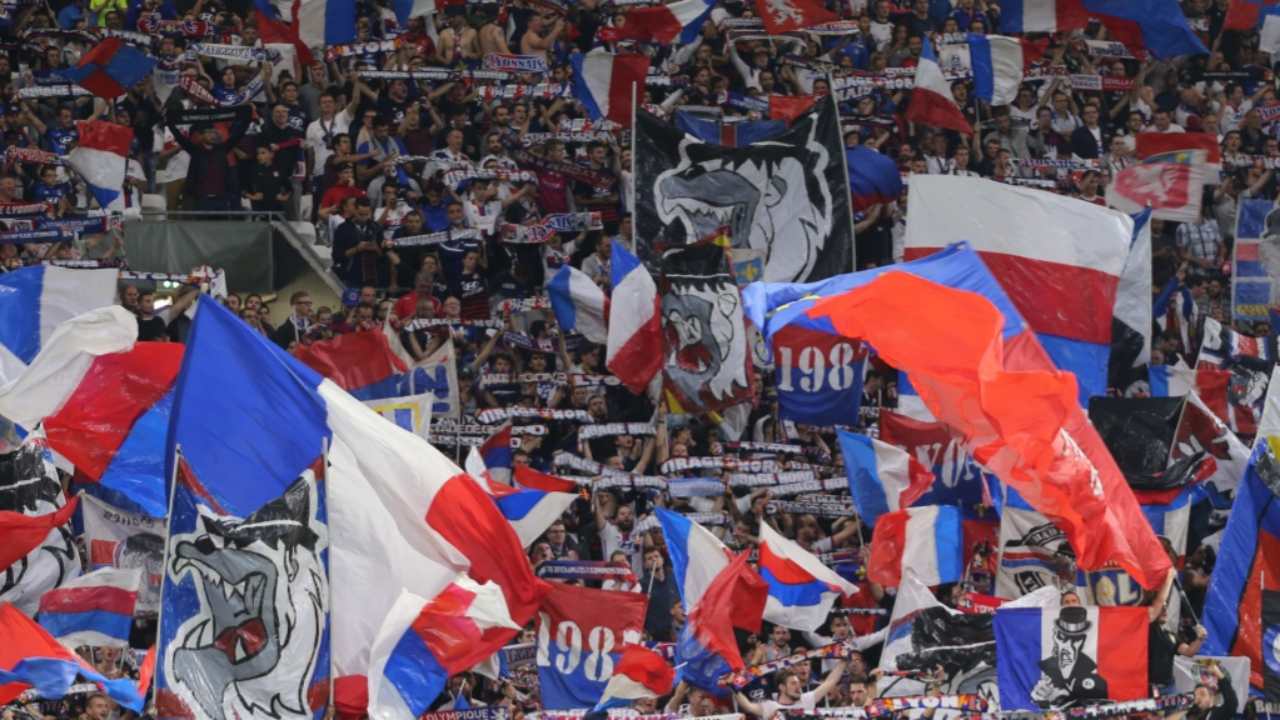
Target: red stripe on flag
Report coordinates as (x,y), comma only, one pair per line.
(87,599)
(1122,651)
(102,552)
(1241,15)
(1266,567)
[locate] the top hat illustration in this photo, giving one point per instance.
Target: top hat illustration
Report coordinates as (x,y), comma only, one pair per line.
(1073,621)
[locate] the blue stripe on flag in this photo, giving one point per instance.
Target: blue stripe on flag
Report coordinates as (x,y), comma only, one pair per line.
(1087,360)
(388,387)
(583,90)
(517,506)
(339,22)
(108,623)
(983,71)
(949,541)
(411,667)
(20,310)
(805,595)
(864,481)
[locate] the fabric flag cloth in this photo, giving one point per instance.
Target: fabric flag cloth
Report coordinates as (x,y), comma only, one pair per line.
(1031,547)
(680,22)
(1128,366)
(527,477)
(1269,422)
(34,301)
(422,643)
(497,456)
(1156,26)
(1139,432)
(1170,183)
(640,673)
(1065,288)
(1056,658)
(1000,63)
(273,30)
(635,329)
(1242,607)
(714,131)
(923,634)
(101,158)
(401,515)
(1220,345)
(1151,144)
(32,657)
(361,363)
(927,540)
(931,100)
(411,412)
(1033,16)
(530,512)
(581,636)
(873,177)
(882,478)
(957,479)
(704,339)
(609,84)
(324,23)
(783,16)
(30,493)
(117,538)
(995,389)
(95,609)
(111,68)
(21,534)
(579,304)
(801,588)
(1260,15)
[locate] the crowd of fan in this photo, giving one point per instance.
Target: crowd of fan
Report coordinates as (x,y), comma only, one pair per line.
(325,133)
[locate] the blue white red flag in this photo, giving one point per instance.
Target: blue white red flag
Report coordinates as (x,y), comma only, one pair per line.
(95,609)
(579,304)
(581,635)
(361,363)
(1032,16)
(1156,26)
(635,325)
(1260,15)
(999,65)
(873,177)
(801,588)
(927,540)
(931,100)
(607,84)
(882,478)
(640,673)
(101,158)
(680,21)
(34,301)
(324,23)
(1057,658)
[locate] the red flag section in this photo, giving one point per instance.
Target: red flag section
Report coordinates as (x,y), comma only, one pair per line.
(1016,414)
(735,598)
(20,534)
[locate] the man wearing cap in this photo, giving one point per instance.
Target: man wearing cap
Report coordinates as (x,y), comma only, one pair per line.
(1068,675)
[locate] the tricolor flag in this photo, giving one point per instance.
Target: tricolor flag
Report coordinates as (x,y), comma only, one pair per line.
(928,540)
(325,22)
(94,609)
(931,100)
(882,478)
(1170,183)
(680,22)
(873,177)
(1000,63)
(607,84)
(497,456)
(101,158)
(801,588)
(635,325)
(1158,27)
(273,30)
(641,673)
(527,477)
(111,68)
(1034,16)
(579,303)
(361,363)
(422,643)
(1260,15)
(530,512)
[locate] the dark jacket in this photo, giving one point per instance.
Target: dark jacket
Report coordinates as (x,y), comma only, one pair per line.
(211,160)
(1083,143)
(363,268)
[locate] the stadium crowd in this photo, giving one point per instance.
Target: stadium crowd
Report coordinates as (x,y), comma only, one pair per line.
(370,159)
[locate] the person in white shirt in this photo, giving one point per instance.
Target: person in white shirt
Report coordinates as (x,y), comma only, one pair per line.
(1163,123)
(791,695)
(322,130)
(618,533)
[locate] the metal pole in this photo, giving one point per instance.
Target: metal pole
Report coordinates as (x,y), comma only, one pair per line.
(635,112)
(844,160)
(168,544)
(328,508)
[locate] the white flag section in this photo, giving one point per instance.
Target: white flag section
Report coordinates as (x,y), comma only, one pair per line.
(1269,425)
(119,539)
(412,412)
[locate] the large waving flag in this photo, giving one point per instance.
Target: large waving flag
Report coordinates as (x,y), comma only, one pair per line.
(1033,16)
(1242,607)
(1065,287)
(680,21)
(21,534)
(101,159)
(1128,369)
(422,643)
(361,363)
(1000,63)
(931,100)
(530,512)
(34,301)
(1171,184)
(117,538)
(635,325)
(783,16)
(1157,26)
(608,85)
(401,516)
(324,23)
(882,478)
(579,304)
(801,588)
(273,30)
(641,673)
(873,177)
(1149,144)
(585,631)
(111,68)
(927,540)
(95,609)
(31,657)
(995,389)
(957,479)
(1260,15)
(34,516)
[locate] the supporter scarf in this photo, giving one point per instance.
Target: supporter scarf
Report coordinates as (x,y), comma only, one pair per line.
(811,486)
(1162,705)
(402,159)
(666,81)
(820,509)
(434,238)
(303,324)
(59,91)
(153,25)
(1096,48)
(747,446)
(680,464)
(820,66)
(549,346)
(459,440)
(578,379)
(1269,112)
(455,177)
(585,125)
(230,113)
(859,611)
(573,222)
(585,570)
(512,306)
(82,265)
(524,234)
(449,427)
(583,465)
(515,63)
(48,77)
(366,48)
(589,432)
(545,91)
(694,487)
(1028,182)
(555,6)
(199,93)
(744,678)
(83,225)
(432,323)
(498,379)
(595,178)
(129,36)
(1100,82)
(652,523)
(24,210)
(234,52)
(434,75)
(888,122)
(585,136)
(30,156)
(1258,161)
(46,235)
(748,480)
(738,101)
(1054,163)
(491,416)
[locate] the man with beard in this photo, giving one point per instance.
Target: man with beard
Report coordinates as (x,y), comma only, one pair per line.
(1204,705)
(616,524)
(1069,676)
(791,695)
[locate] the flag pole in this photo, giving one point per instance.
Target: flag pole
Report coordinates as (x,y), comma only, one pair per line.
(333,669)
(635,112)
(168,545)
(844,160)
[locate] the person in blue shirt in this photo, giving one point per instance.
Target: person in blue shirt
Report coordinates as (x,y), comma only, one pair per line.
(384,147)
(60,137)
(435,211)
(49,190)
(70,15)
